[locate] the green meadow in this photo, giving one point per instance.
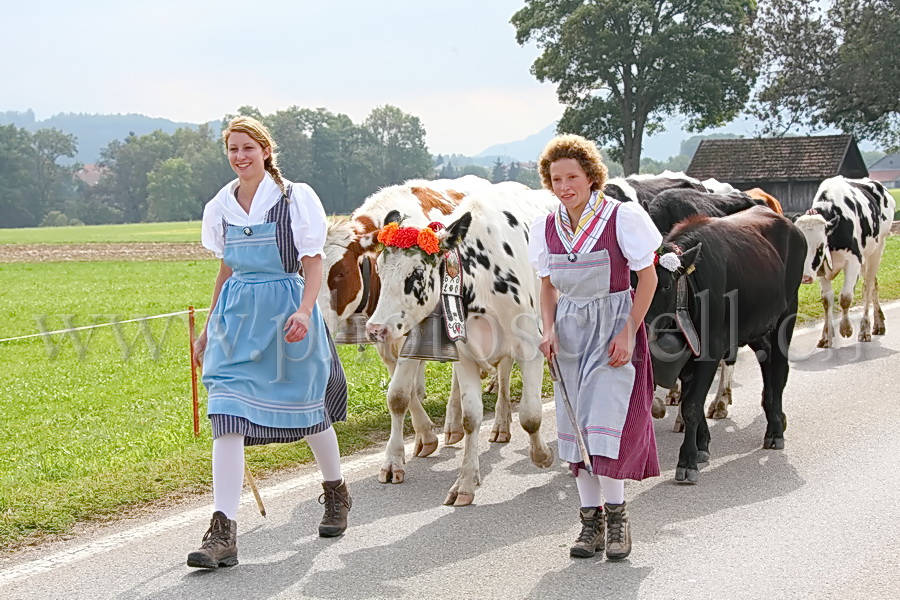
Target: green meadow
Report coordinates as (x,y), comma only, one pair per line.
(98,422)
(184,231)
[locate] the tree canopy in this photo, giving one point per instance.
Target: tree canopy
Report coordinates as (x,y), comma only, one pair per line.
(622,66)
(832,64)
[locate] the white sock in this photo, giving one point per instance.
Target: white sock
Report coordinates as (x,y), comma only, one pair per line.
(613,489)
(228,473)
(589,489)
(324,446)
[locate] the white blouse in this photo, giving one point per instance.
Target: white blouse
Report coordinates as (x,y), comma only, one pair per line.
(638,238)
(308,222)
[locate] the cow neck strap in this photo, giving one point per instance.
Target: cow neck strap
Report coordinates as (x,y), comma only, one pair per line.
(683,316)
(451,296)
(365,270)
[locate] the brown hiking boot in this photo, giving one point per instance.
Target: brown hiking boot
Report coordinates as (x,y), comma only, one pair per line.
(592,537)
(219,547)
(618,531)
(336,499)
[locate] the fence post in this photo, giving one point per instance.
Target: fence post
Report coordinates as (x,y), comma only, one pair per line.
(195,404)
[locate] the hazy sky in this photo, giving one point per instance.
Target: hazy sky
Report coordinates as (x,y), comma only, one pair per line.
(454,64)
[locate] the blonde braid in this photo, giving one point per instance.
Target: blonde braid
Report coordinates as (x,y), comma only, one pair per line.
(275,172)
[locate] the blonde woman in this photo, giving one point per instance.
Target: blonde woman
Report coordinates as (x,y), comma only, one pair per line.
(269,364)
(584,253)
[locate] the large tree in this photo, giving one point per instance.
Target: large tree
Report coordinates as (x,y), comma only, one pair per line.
(832,64)
(396,146)
(622,66)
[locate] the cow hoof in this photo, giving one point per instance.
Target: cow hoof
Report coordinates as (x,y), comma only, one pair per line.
(500,437)
(719,411)
(846,329)
(879,330)
(658,409)
(864,336)
(702,456)
(451,498)
(464,499)
(673,399)
(542,457)
(424,449)
(773,443)
(451,437)
(678,427)
(391,475)
(823,343)
(690,476)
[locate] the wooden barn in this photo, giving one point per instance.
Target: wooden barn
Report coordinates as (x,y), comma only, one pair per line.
(789,168)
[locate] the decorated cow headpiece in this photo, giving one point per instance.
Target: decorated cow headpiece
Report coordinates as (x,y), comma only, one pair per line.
(671,260)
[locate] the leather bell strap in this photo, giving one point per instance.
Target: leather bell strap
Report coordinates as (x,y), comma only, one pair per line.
(451,297)
(683,317)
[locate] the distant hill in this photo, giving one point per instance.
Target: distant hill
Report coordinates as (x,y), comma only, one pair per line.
(525,150)
(93,132)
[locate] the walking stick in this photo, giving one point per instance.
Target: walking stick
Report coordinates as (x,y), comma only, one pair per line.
(252,482)
(579,439)
(195,360)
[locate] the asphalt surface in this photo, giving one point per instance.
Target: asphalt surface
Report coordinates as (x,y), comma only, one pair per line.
(818,519)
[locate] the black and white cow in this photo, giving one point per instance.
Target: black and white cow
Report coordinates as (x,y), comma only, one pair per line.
(743,272)
(490,229)
(846,230)
(644,188)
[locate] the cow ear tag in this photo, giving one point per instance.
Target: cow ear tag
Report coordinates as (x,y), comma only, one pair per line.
(690,269)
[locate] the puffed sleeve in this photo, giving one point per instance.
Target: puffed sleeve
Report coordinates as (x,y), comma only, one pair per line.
(538,253)
(638,236)
(308,221)
(212,232)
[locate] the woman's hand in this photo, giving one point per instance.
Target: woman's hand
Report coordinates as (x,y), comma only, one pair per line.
(621,348)
(200,347)
(297,326)
(549,346)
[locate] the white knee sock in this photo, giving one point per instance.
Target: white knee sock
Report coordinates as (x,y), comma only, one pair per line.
(324,446)
(228,473)
(613,489)
(589,489)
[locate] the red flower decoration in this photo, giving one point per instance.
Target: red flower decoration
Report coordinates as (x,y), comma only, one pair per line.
(436,226)
(405,237)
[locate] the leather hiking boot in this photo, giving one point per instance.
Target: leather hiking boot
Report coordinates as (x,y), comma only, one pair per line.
(593,535)
(336,499)
(219,547)
(618,531)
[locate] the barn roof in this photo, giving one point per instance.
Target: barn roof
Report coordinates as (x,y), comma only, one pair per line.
(787,158)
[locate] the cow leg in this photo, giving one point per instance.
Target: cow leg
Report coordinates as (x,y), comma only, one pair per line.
(674,395)
(851,274)
(693,394)
(531,410)
(503,411)
(468,376)
(827,339)
(658,408)
(868,283)
(678,425)
(879,328)
(718,408)
(400,392)
(453,428)
(426,442)
(772,353)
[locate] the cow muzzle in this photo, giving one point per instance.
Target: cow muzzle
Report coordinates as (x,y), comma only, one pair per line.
(806,279)
(376,333)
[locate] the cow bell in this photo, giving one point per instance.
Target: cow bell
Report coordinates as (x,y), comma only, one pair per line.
(353,331)
(429,340)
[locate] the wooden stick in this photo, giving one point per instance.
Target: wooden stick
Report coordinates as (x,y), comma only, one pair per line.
(252,482)
(195,404)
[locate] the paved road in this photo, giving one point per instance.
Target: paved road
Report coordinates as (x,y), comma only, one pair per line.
(817,520)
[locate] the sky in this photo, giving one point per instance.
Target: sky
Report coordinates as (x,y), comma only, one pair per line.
(455,65)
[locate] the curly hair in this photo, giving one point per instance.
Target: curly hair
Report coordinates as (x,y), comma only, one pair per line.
(259,134)
(579,148)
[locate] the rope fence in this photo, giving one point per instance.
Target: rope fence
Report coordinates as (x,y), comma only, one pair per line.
(95,326)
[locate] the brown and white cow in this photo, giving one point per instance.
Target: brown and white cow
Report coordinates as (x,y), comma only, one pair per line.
(500,294)
(354,286)
(846,230)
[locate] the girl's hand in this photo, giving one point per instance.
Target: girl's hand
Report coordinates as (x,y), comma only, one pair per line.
(549,345)
(200,347)
(621,348)
(297,326)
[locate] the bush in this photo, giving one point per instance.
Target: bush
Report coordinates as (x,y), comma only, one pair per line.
(55,218)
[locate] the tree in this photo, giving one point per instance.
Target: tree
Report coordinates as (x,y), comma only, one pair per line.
(396,146)
(832,65)
(54,182)
(498,173)
(622,66)
(170,193)
(17,184)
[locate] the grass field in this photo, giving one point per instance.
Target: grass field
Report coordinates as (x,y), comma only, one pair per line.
(185,231)
(97,423)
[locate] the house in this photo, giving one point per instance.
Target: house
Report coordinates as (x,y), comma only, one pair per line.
(789,168)
(887,171)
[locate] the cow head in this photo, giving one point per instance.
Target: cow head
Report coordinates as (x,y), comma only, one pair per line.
(342,290)
(671,266)
(816,230)
(410,280)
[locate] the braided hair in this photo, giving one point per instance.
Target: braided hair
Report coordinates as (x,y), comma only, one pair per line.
(260,134)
